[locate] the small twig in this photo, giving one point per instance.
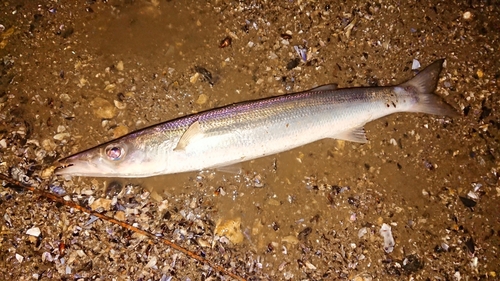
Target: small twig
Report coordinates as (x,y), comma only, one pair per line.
(71,204)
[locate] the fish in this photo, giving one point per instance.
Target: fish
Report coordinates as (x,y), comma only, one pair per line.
(248,130)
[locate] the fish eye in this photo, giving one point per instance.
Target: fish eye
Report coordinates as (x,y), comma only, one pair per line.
(114,152)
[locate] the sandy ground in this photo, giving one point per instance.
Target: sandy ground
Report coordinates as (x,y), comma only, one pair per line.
(77,73)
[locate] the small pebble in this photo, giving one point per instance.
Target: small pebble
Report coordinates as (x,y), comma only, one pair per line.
(120,215)
(202,99)
(61,128)
(119,66)
(231,229)
(467,15)
(152,262)
(193,79)
(362,232)
(61,136)
(34,231)
(119,131)
(7,219)
(110,87)
(103,109)
(415,64)
(65,97)
(57,190)
(480,73)
(19,258)
(91,220)
(385,232)
(353,217)
(472,195)
(225,42)
(49,145)
(302,52)
(310,266)
(119,104)
(103,203)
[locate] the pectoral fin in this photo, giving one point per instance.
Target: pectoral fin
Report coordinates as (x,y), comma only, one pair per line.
(354,135)
(192,134)
(327,87)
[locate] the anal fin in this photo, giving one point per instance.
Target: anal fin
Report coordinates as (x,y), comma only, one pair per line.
(192,133)
(357,134)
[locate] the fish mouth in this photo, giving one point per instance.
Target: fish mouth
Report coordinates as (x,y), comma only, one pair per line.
(62,168)
(72,166)
(65,167)
(63,164)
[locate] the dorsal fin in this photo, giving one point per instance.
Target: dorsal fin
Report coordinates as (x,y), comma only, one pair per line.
(327,87)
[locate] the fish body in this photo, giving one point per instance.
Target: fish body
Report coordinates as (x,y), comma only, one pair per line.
(249,130)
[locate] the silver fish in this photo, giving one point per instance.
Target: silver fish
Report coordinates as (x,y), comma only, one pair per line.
(249,130)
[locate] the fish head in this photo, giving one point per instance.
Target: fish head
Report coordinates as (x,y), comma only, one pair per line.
(124,157)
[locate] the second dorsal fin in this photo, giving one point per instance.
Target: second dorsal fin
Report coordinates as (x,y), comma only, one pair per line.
(327,87)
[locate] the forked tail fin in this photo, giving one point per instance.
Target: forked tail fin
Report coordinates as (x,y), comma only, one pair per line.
(424,84)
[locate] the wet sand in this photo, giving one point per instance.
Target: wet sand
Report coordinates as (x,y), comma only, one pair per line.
(75,74)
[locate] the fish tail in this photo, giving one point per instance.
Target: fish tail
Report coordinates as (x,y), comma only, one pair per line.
(423,85)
